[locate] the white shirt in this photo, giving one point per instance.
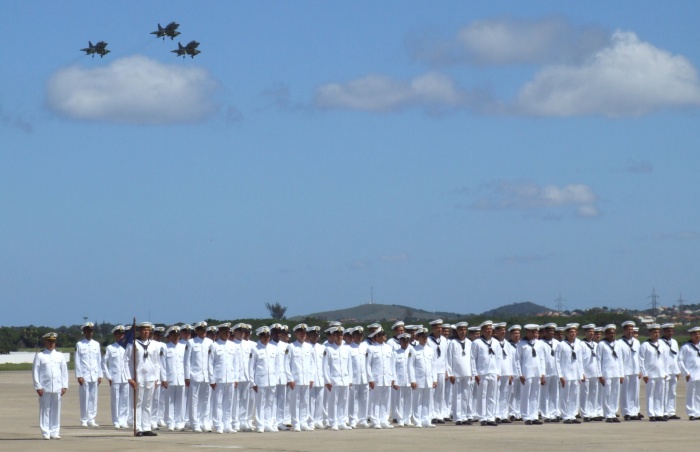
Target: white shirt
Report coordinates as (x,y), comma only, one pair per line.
(49,371)
(426,375)
(439,347)
(629,353)
(610,359)
(224,362)
(301,363)
(589,358)
(380,364)
(405,370)
(486,360)
(529,358)
(689,360)
(88,360)
(173,363)
(148,358)
(114,364)
(337,365)
(570,359)
(358,354)
(460,361)
(653,359)
(197,359)
(672,344)
(263,364)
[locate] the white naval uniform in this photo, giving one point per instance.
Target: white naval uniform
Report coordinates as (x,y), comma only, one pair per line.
(426,377)
(173,364)
(114,369)
(459,364)
(611,370)
(50,373)
(262,366)
(244,392)
(395,344)
(530,367)
(629,389)
(404,374)
(224,373)
(88,365)
(671,383)
(282,414)
(487,366)
(359,392)
(197,371)
(689,364)
(337,372)
(588,398)
(570,359)
(380,371)
(549,393)
(514,402)
(158,406)
(300,367)
(507,382)
(439,347)
(146,371)
(317,406)
(653,363)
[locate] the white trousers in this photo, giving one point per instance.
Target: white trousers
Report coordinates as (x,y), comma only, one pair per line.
(588,398)
(549,397)
(655,397)
(358,404)
(670,395)
(337,399)
(611,397)
(569,396)
(50,413)
(199,404)
(404,404)
(422,409)
(144,401)
(299,405)
(529,398)
(514,403)
(692,398)
(119,398)
(486,397)
(629,395)
(264,403)
(439,398)
(88,401)
(505,392)
(244,398)
(173,414)
(316,404)
(379,404)
(282,415)
(461,398)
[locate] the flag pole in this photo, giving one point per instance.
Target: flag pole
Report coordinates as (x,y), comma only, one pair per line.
(136,386)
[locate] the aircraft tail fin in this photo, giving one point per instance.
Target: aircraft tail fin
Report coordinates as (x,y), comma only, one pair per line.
(90,44)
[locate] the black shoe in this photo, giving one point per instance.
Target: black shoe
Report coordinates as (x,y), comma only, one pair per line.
(616,420)
(447,419)
(609,420)
(547,421)
(150,433)
(468,422)
(394,421)
(505,421)
(575,421)
(652,419)
(640,416)
(484,423)
(556,420)
(440,421)
(493,424)
(691,418)
(586,419)
(139,434)
(598,418)
(433,421)
(458,423)
(528,422)
(536,422)
(617,415)
(674,417)
(568,421)
(661,419)
(627,417)
(512,418)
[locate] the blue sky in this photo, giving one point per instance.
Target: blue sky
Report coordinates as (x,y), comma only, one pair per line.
(455,157)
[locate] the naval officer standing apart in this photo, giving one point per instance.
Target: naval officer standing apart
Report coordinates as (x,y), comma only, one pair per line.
(144,376)
(50,375)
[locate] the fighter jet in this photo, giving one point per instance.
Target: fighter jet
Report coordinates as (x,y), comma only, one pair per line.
(169,30)
(190,49)
(100,48)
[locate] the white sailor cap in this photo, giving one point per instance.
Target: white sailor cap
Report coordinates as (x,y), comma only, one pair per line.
(118,329)
(635,329)
(313,329)
(653,326)
(398,324)
(374,325)
(453,327)
(276,326)
(301,326)
(474,329)
(89,325)
(212,329)
(358,329)
(52,336)
(262,330)
(224,326)
(446,325)
(588,326)
(403,336)
(144,325)
(420,331)
(376,332)
(486,323)
(239,326)
(610,326)
(186,327)
(531,327)
(284,328)
(499,325)
(334,329)
(515,327)
(173,329)
(598,329)
(202,325)
(335,323)
(667,326)
(628,323)
(560,328)
(436,322)
(159,329)
(461,324)
(570,326)
(411,327)
(694,329)
(549,325)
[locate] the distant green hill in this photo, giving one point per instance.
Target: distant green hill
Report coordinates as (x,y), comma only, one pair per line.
(522,309)
(379,312)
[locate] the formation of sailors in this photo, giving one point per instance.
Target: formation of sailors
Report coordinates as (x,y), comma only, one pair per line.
(216,379)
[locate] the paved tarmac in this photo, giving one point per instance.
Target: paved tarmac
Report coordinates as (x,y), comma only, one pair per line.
(19,430)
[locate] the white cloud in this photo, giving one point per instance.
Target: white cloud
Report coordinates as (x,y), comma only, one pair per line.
(510,41)
(133,90)
(529,196)
(378,93)
(628,78)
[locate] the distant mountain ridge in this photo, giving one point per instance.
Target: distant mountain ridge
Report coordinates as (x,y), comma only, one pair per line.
(523,309)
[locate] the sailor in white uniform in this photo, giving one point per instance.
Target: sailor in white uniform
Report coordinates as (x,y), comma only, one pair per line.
(337,376)
(426,381)
(674,371)
(653,363)
(88,371)
(224,373)
(144,376)
(629,389)
(569,356)
(506,383)
(549,393)
(197,377)
(173,365)
(405,380)
(588,398)
(380,371)
(114,369)
(316,405)
(612,372)
(244,393)
(514,332)
(263,369)
(50,375)
(689,363)
(300,365)
(359,391)
(530,368)
(487,366)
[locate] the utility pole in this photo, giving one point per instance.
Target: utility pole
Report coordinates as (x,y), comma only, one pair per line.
(654,303)
(559,303)
(681,314)
(371,294)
